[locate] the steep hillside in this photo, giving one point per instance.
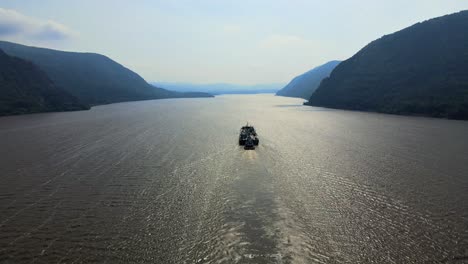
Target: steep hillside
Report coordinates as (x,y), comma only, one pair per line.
(92,78)
(305,84)
(421,70)
(24,88)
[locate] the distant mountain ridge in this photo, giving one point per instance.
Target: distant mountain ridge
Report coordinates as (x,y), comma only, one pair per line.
(220,88)
(24,88)
(304,85)
(92,78)
(420,70)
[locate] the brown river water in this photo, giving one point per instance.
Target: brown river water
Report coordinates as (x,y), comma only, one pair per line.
(164,181)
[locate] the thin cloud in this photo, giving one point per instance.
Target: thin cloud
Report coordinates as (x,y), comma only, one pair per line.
(53,31)
(232,29)
(281,41)
(15,24)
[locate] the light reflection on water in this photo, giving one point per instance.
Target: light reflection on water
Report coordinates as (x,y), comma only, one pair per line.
(165,182)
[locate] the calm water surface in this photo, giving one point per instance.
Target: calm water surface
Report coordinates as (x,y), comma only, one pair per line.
(165,182)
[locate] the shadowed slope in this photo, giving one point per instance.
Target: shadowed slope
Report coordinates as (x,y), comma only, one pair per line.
(93,78)
(419,70)
(24,88)
(305,84)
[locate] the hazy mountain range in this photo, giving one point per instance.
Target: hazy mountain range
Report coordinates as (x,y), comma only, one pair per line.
(421,70)
(305,84)
(220,88)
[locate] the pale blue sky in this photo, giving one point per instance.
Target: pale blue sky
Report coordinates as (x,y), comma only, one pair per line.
(212,41)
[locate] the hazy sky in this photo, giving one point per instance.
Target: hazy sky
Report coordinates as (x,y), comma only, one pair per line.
(210,41)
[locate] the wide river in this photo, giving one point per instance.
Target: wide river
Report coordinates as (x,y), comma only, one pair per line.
(165,181)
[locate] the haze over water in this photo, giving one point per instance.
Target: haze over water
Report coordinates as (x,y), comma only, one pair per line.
(165,182)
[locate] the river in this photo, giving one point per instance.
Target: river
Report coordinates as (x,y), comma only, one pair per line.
(164,181)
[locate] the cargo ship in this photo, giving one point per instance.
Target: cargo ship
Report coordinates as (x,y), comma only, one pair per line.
(248,137)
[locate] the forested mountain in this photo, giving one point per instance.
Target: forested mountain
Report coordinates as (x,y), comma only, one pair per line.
(305,84)
(24,88)
(92,78)
(420,70)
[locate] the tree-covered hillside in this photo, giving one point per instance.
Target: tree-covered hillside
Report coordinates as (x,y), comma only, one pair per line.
(92,78)
(420,70)
(24,88)
(305,84)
